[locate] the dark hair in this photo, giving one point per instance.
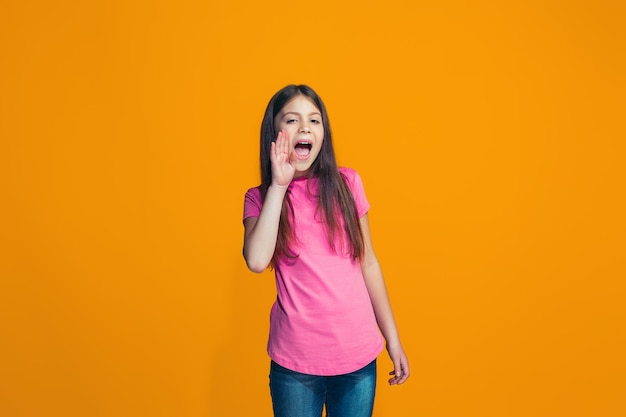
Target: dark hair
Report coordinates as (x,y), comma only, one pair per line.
(333,195)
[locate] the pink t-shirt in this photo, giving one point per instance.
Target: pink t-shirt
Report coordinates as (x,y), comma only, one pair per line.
(322,322)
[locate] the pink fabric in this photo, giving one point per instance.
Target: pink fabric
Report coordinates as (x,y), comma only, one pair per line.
(322,322)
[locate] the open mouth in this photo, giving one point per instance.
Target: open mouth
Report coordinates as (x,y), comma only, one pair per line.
(303,149)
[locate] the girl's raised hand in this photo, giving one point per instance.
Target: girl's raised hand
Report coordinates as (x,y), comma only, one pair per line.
(283,160)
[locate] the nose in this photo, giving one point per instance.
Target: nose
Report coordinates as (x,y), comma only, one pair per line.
(305,129)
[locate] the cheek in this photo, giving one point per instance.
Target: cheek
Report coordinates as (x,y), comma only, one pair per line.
(318,146)
(291,129)
(319,133)
(287,128)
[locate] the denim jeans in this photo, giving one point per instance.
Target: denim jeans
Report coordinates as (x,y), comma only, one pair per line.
(301,395)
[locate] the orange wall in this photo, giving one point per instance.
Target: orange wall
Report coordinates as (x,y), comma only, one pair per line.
(490,136)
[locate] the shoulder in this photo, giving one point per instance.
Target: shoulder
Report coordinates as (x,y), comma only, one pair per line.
(254,192)
(253,196)
(348,173)
(253,202)
(352,177)
(353,180)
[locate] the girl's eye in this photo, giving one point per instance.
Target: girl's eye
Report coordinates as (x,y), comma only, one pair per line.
(315,121)
(291,121)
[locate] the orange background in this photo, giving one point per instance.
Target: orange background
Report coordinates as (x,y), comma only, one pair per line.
(490,137)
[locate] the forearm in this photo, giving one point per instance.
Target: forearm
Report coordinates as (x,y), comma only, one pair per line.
(380,302)
(260,236)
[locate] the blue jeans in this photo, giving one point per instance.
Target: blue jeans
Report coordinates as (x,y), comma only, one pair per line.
(301,395)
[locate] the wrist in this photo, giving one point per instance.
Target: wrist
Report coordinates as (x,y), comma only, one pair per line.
(278,187)
(393,343)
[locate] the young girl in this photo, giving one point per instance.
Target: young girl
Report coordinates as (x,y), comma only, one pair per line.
(308,220)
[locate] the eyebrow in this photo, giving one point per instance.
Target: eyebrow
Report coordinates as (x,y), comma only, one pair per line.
(298,114)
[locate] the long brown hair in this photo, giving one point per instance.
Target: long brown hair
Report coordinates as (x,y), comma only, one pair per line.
(334,197)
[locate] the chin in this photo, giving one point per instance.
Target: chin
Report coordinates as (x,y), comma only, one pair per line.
(304,167)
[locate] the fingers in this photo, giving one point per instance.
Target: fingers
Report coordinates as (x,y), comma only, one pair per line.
(275,146)
(400,373)
(283,159)
(276,149)
(293,157)
(290,155)
(282,143)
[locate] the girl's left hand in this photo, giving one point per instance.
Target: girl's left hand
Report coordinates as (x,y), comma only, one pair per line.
(400,364)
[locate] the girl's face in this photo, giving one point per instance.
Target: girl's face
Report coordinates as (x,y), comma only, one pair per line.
(302,121)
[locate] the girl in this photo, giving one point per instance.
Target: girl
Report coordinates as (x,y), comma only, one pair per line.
(308,220)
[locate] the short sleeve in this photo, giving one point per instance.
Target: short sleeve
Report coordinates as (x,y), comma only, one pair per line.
(252,203)
(358,192)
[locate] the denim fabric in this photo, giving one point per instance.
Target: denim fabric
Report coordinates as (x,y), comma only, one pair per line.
(300,395)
